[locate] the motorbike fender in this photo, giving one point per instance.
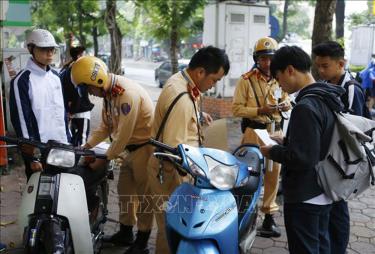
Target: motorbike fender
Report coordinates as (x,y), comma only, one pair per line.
(28,201)
(197,247)
(195,213)
(72,204)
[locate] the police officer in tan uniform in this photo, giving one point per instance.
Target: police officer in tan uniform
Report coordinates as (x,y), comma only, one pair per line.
(258,99)
(182,125)
(127,119)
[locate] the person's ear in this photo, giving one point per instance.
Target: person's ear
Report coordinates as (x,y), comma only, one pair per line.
(290,70)
(201,72)
(342,63)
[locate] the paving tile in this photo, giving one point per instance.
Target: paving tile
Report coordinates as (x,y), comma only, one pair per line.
(369,212)
(357,204)
(275,250)
(368,200)
(363,248)
(359,217)
(263,243)
(255,250)
(362,231)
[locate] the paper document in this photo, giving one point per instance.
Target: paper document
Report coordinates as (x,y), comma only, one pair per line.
(215,135)
(265,137)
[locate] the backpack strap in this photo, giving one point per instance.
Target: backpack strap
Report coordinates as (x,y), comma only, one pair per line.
(345,98)
(370,154)
(163,122)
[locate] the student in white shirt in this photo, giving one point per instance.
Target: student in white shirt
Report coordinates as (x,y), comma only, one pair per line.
(36,100)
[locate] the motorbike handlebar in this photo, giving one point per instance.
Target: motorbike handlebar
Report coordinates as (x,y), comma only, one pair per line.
(41,145)
(163,146)
(23,141)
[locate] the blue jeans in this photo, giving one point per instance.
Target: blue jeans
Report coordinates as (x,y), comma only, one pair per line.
(307,228)
(339,227)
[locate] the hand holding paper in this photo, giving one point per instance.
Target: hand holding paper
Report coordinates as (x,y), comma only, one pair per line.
(265,137)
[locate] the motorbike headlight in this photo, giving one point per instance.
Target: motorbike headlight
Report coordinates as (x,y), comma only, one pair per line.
(221,176)
(195,169)
(61,158)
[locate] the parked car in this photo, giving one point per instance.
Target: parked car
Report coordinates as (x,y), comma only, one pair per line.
(105,57)
(164,71)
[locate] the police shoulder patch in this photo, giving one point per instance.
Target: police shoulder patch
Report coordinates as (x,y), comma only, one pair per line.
(125,108)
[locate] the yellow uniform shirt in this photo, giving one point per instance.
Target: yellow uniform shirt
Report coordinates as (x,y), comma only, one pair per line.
(181,126)
(244,100)
(127,118)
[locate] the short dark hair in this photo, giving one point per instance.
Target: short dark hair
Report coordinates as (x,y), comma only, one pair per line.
(290,55)
(75,51)
(211,59)
(329,48)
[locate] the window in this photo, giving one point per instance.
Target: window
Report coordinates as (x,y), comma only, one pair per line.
(237,18)
(259,19)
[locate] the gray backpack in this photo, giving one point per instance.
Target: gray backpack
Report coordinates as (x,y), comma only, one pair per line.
(348,167)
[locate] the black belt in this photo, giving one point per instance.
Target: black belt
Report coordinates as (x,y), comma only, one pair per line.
(247,123)
(134,147)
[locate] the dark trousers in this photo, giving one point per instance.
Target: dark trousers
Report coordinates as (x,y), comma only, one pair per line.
(339,227)
(307,228)
(80,128)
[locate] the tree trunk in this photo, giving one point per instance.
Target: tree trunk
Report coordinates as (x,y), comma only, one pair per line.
(340,18)
(322,30)
(81,38)
(95,39)
(285,19)
(116,37)
(174,39)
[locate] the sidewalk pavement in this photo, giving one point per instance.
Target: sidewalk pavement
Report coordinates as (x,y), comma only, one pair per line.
(362,217)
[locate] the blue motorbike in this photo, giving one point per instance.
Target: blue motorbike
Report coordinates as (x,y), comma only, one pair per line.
(218,212)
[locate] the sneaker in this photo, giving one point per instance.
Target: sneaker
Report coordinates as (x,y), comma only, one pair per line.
(269,228)
(3,247)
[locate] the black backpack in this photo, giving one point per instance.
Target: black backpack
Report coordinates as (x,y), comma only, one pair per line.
(345,99)
(78,96)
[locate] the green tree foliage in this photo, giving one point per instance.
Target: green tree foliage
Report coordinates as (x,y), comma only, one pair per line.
(44,16)
(169,19)
(295,17)
(65,19)
(362,18)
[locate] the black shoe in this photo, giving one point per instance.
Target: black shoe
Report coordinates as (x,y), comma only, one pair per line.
(136,250)
(140,244)
(269,228)
(124,237)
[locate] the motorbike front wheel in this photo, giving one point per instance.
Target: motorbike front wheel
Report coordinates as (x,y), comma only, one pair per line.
(197,247)
(48,236)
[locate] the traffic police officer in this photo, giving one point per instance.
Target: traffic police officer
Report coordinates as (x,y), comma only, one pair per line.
(258,99)
(126,118)
(182,125)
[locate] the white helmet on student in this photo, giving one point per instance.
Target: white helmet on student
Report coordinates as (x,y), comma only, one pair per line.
(40,38)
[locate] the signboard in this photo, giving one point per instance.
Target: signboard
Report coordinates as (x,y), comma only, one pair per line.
(16,13)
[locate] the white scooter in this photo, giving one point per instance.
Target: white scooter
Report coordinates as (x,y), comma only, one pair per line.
(63,208)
